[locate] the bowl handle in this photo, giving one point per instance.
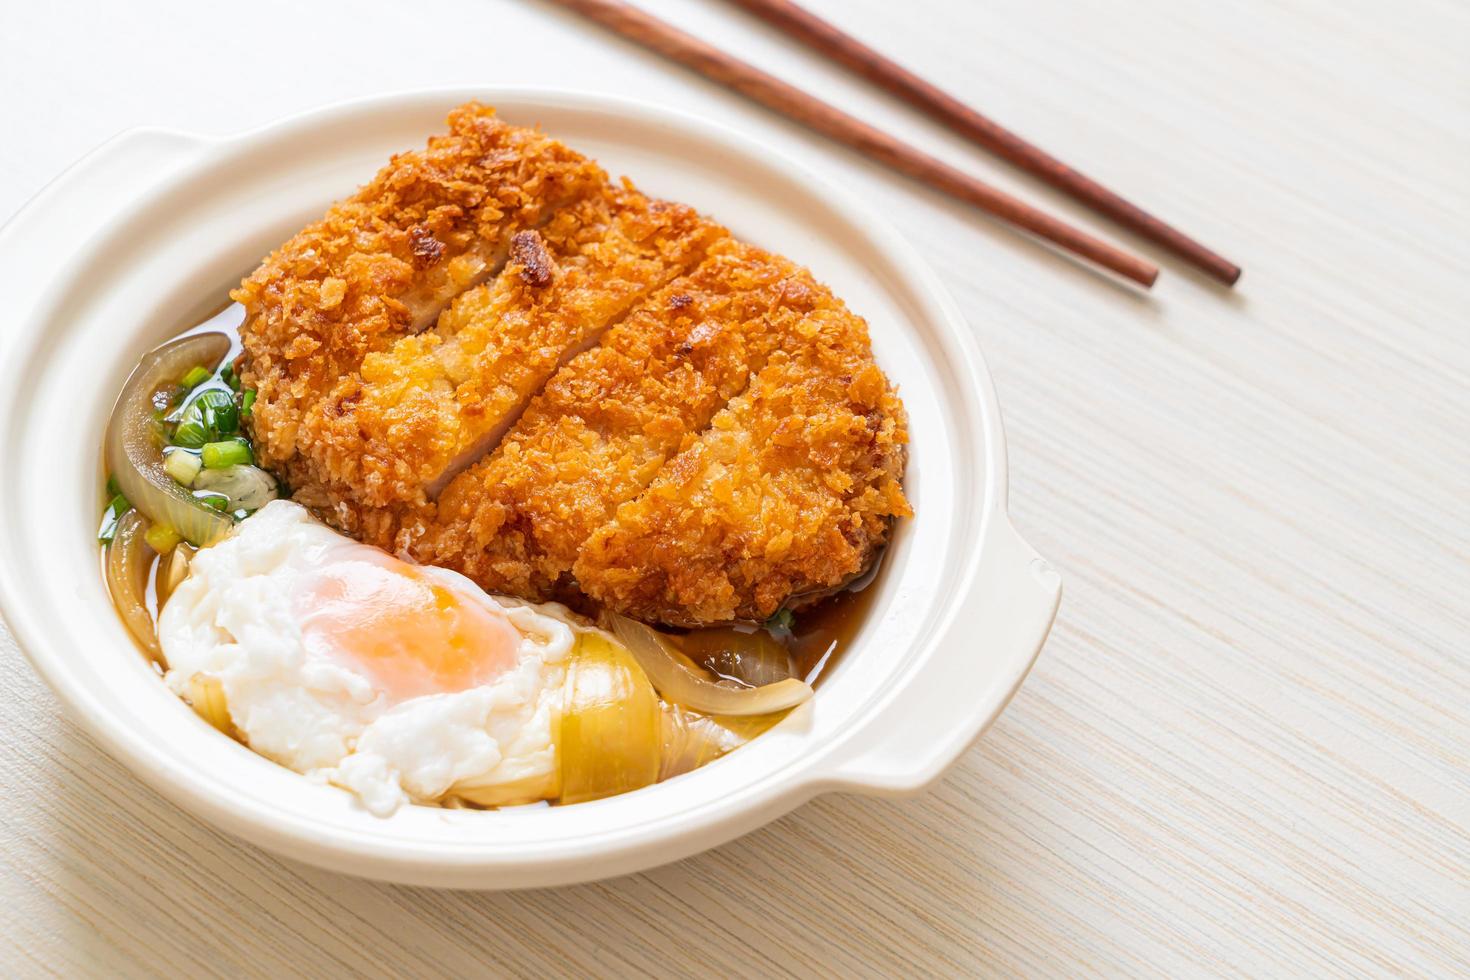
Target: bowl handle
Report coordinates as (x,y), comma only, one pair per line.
(931,721)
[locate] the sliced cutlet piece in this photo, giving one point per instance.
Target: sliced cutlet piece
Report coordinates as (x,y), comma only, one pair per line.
(433,403)
(789,493)
(384,262)
(606,422)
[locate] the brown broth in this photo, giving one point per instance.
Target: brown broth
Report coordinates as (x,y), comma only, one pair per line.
(825,631)
(822,632)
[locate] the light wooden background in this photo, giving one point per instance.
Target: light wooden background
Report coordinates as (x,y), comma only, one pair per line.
(1246,747)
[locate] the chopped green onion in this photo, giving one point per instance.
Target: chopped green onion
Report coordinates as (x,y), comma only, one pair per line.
(215,501)
(161,538)
(113,490)
(207,418)
(232,452)
(227,419)
(214,398)
(218,411)
(182,465)
(192,430)
(228,376)
(247,403)
(116,507)
(197,375)
(782,622)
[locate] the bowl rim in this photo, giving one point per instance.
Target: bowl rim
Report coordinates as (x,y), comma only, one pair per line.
(387,855)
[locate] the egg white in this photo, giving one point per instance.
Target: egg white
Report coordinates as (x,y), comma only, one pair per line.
(235,618)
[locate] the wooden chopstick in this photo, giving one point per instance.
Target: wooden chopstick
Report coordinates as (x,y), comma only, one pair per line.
(823,37)
(790,101)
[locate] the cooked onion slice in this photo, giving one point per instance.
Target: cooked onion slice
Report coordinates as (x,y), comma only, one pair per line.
(682,683)
(134,454)
(128,557)
(529,789)
(691,740)
(207,696)
(608,736)
(173,568)
(245,487)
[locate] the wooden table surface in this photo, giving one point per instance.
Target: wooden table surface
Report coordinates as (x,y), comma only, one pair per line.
(1246,747)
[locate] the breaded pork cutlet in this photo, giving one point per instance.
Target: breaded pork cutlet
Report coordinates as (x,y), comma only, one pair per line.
(788,493)
(710,440)
(607,422)
(383,263)
(432,404)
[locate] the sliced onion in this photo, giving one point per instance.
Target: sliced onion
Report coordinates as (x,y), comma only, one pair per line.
(681,682)
(519,792)
(608,737)
(207,697)
(128,558)
(173,568)
(691,740)
(246,487)
(134,455)
(751,656)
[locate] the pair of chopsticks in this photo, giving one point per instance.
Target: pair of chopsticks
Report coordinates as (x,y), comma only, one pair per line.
(792,102)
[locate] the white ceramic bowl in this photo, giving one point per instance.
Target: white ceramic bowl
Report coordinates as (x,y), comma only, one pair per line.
(143,237)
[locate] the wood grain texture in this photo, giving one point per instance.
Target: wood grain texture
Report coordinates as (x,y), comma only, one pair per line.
(790,100)
(1245,749)
(797,22)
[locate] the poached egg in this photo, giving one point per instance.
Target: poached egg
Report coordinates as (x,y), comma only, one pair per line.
(401,683)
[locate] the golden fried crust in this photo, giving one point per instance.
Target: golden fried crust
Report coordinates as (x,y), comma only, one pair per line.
(606,423)
(382,263)
(726,447)
(434,403)
(790,491)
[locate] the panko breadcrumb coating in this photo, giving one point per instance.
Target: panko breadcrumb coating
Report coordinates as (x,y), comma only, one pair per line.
(382,263)
(636,407)
(434,403)
(788,493)
(605,425)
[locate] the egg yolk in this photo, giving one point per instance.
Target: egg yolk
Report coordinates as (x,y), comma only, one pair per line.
(409,633)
